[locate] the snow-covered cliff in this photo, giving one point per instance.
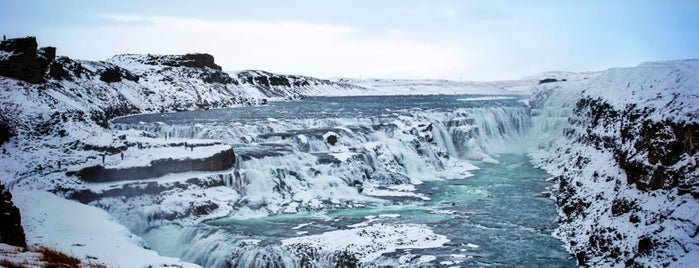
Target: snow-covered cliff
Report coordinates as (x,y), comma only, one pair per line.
(624,156)
(622,146)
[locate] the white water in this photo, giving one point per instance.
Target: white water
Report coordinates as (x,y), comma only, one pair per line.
(388,150)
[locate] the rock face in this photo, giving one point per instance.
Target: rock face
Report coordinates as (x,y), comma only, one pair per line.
(11,231)
(288,86)
(157,168)
(21,59)
(197,60)
(627,183)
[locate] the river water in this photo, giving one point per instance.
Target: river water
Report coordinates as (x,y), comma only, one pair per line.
(495,215)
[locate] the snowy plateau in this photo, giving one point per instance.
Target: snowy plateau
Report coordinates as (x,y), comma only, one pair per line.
(167,161)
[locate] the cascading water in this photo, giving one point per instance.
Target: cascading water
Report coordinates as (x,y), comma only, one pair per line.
(358,157)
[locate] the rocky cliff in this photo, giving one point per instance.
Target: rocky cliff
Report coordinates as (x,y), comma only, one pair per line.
(59,89)
(625,164)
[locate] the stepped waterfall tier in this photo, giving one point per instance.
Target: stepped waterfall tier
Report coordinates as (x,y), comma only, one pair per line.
(372,169)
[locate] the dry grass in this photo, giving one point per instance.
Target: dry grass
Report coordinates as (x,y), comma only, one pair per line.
(54,258)
(9,264)
(43,257)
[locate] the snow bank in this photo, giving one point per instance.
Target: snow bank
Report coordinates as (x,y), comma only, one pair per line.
(83,231)
(368,243)
(670,89)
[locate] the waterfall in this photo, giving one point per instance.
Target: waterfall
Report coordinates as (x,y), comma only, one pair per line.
(550,116)
(290,165)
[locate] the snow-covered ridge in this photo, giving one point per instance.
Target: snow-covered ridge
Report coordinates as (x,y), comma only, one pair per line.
(624,160)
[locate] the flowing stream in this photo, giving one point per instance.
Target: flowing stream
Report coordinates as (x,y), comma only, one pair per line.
(403,170)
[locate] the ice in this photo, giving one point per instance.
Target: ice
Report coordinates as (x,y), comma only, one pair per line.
(371,241)
(302,225)
(487,98)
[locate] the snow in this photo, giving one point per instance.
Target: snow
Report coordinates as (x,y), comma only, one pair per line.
(472,245)
(134,157)
(302,225)
(661,92)
(670,87)
(396,193)
(84,231)
(486,98)
(5,55)
(18,255)
(379,87)
(370,242)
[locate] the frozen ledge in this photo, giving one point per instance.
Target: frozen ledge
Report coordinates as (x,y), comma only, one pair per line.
(220,161)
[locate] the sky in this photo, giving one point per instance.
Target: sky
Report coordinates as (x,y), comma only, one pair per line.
(409,39)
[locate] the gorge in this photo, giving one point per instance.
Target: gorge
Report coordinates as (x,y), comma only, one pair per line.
(319,173)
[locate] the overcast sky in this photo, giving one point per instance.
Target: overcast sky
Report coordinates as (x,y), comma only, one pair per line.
(469,40)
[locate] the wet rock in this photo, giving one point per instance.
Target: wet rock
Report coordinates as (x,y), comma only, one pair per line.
(331,139)
(157,168)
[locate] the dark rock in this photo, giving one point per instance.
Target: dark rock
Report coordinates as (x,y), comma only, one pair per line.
(133,189)
(664,143)
(656,157)
(110,75)
(198,60)
(11,231)
(115,74)
(26,63)
(621,206)
(6,133)
(633,218)
(331,139)
(645,245)
(217,77)
(346,259)
(548,80)
(48,52)
(157,168)
(56,71)
(581,258)
(63,68)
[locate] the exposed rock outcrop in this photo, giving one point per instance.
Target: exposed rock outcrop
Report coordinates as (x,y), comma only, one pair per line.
(21,59)
(5,132)
(196,60)
(157,168)
(11,231)
(627,182)
(115,74)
